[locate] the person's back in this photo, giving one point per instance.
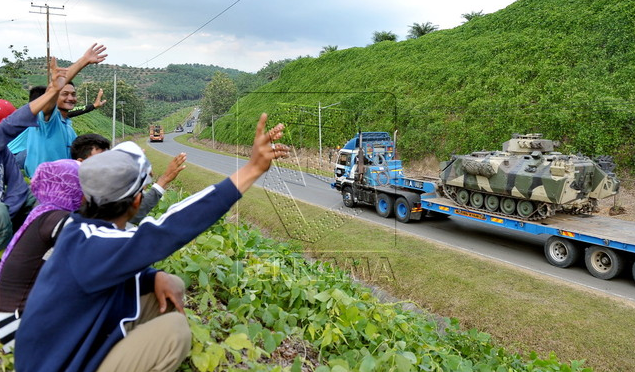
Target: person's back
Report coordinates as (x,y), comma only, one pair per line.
(83,313)
(56,187)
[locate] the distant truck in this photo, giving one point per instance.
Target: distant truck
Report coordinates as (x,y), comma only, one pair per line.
(368,173)
(156,133)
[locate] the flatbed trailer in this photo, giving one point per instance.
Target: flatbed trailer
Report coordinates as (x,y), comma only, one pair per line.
(606,244)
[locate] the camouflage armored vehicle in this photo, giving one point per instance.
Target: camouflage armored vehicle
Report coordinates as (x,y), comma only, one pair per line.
(527,180)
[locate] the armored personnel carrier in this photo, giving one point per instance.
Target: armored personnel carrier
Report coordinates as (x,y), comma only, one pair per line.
(528,180)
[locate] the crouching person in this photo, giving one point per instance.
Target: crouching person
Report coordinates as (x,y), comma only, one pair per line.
(97,305)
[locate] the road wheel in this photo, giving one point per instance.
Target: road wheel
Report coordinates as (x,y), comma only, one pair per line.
(508,206)
(384,205)
(492,202)
(603,262)
(634,270)
(476,199)
(463,196)
(561,252)
(402,210)
(525,208)
(347,197)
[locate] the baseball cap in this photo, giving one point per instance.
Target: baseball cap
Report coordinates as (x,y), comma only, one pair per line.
(115,174)
(6,109)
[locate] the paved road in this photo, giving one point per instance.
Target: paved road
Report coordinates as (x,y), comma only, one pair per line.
(519,249)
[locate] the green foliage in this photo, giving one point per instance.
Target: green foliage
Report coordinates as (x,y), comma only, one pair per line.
(379,36)
(220,95)
(130,104)
(185,82)
(249,294)
(17,68)
(472,15)
(558,67)
(417,30)
(328,48)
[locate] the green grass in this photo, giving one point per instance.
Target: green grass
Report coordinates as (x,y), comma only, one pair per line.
(559,67)
(523,311)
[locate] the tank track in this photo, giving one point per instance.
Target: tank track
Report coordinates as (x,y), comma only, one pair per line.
(541,210)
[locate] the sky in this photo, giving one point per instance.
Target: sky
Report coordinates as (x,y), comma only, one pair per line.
(240,34)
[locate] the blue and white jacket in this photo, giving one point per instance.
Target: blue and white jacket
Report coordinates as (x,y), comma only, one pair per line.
(90,287)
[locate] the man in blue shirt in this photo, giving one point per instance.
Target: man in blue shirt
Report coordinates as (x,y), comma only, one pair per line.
(52,139)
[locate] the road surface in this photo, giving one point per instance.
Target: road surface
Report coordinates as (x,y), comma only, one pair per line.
(516,248)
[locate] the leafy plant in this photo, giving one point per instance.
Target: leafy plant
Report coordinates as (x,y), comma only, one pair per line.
(379,36)
(416,30)
(250,295)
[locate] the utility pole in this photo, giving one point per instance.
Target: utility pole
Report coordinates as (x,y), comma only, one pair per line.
(114,108)
(48,39)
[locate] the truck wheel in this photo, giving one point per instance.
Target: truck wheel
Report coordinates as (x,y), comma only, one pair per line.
(347,197)
(633,270)
(603,262)
(561,252)
(402,210)
(383,205)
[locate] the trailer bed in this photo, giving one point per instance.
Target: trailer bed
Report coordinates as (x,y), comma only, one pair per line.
(589,229)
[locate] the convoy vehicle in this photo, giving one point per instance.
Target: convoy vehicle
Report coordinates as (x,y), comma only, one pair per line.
(528,179)
(368,173)
(156,133)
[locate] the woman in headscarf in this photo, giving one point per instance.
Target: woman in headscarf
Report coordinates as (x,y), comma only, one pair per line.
(57,189)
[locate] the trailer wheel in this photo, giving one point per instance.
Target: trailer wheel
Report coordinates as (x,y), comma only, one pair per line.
(383,205)
(603,262)
(633,270)
(561,252)
(347,197)
(402,210)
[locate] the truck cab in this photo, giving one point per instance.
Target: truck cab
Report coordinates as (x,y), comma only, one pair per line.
(156,133)
(368,158)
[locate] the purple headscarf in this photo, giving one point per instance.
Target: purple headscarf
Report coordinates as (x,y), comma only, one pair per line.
(56,186)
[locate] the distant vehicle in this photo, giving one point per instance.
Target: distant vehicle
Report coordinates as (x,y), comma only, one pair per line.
(156,133)
(179,128)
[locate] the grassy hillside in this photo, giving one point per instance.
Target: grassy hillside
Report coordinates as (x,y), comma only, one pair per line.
(563,68)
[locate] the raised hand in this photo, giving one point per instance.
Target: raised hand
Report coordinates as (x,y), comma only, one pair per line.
(98,102)
(174,168)
(58,75)
(264,149)
(263,152)
(94,54)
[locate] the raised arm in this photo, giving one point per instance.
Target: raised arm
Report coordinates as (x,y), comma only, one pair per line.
(94,54)
(263,152)
(46,102)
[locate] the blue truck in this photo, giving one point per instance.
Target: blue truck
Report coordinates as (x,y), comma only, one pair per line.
(367,172)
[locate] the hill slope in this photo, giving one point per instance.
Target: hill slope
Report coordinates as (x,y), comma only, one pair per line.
(563,68)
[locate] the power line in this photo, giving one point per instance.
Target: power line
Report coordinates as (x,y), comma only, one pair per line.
(195,31)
